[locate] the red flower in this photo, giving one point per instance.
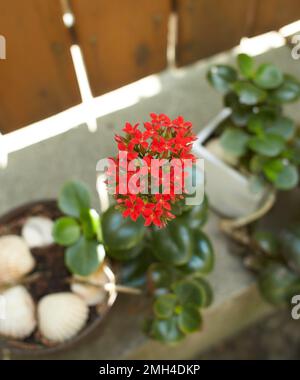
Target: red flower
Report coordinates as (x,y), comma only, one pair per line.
(163,139)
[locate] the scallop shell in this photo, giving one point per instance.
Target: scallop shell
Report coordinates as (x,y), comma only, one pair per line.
(17,319)
(16,259)
(61,316)
(214,147)
(37,231)
(93,295)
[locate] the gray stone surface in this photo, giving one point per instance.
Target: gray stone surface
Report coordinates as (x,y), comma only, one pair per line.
(40,170)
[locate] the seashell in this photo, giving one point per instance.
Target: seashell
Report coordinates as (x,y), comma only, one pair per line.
(16,259)
(214,147)
(17,319)
(61,316)
(37,231)
(93,295)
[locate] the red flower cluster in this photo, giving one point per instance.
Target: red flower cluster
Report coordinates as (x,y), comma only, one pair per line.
(161,140)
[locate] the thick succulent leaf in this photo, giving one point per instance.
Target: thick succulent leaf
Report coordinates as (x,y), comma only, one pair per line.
(221,76)
(188,292)
(288,178)
(164,306)
(290,246)
(246,65)
(189,320)
(268,76)
(248,93)
(268,145)
(278,284)
(202,260)
(235,141)
(288,92)
(84,257)
(121,233)
(74,198)
(267,242)
(66,231)
(166,330)
(126,254)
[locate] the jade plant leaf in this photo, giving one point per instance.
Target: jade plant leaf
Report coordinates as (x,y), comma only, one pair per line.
(290,246)
(84,257)
(202,260)
(197,215)
(207,292)
(278,284)
(126,254)
(221,76)
(246,65)
(134,272)
(121,233)
(235,141)
(173,244)
(248,93)
(289,91)
(272,168)
(268,76)
(189,320)
(160,277)
(188,292)
(268,145)
(288,178)
(164,305)
(282,126)
(166,330)
(66,231)
(74,198)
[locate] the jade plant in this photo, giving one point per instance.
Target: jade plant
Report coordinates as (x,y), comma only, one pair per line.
(276,258)
(260,138)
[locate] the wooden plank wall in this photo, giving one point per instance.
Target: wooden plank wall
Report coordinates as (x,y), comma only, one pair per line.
(122,41)
(206,27)
(37,78)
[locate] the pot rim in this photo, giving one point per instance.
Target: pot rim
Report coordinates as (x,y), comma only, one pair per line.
(7,346)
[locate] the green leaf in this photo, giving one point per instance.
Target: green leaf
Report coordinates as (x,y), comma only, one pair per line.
(90,223)
(197,215)
(257,184)
(121,233)
(288,92)
(221,76)
(235,141)
(164,305)
(134,272)
(290,246)
(84,257)
(188,292)
(66,231)
(278,284)
(207,292)
(288,178)
(268,76)
(173,244)
(267,145)
(256,163)
(282,126)
(189,320)
(73,198)
(126,254)
(160,276)
(202,260)
(256,124)
(166,330)
(246,65)
(248,93)
(272,168)
(267,242)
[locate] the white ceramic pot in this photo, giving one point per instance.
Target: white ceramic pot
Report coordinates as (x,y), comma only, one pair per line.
(228,190)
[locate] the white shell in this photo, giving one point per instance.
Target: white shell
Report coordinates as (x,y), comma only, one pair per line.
(17,319)
(92,295)
(16,259)
(214,147)
(61,316)
(37,231)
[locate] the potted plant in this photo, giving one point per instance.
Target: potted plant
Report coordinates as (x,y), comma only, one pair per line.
(40,282)
(252,147)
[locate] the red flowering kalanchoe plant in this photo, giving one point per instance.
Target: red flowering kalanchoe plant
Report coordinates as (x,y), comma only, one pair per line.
(140,167)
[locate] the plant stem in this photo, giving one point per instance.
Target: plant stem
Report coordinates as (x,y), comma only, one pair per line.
(231,226)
